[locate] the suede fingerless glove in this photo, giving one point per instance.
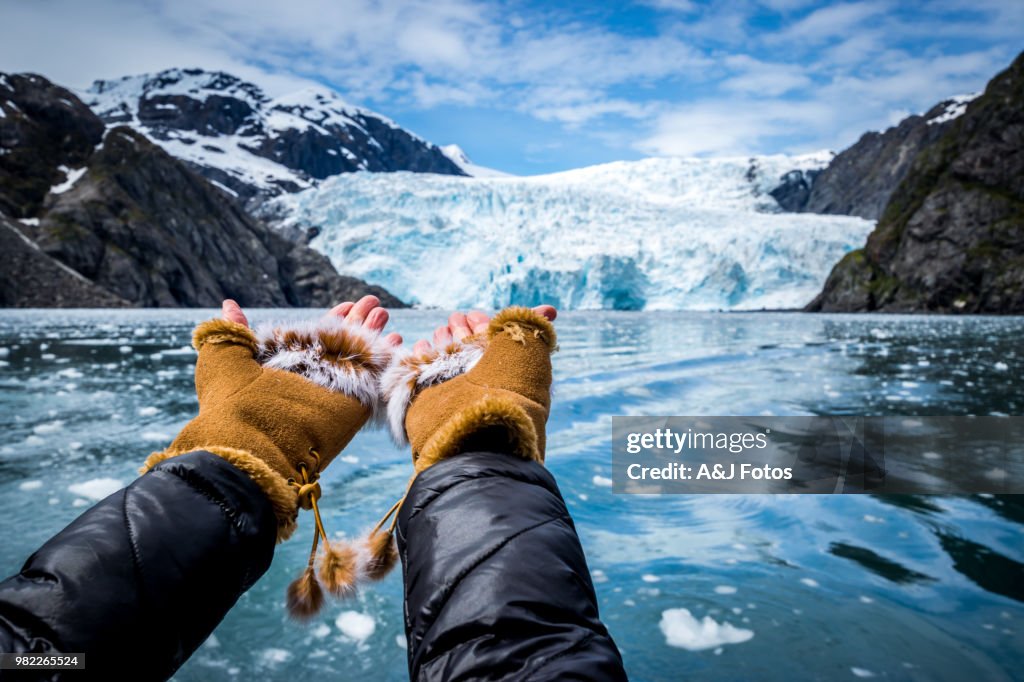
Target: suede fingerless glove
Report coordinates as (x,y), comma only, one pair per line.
(489,392)
(280,405)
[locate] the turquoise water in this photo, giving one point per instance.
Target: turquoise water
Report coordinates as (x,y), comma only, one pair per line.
(822,587)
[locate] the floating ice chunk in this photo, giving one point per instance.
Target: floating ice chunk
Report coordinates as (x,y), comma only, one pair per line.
(1001,366)
(321,630)
(682,630)
(30,485)
(866,600)
(810,582)
(355,625)
(725,589)
(349,459)
(4,352)
(861,672)
(125,349)
(148,411)
(49,427)
(931,455)
(47,356)
(599,576)
(79,502)
(648,578)
(401,641)
(602,481)
(154,436)
(873,519)
(35,441)
(96,489)
(274,657)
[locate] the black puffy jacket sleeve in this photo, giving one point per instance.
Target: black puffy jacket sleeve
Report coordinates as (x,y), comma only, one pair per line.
(140,580)
(496,583)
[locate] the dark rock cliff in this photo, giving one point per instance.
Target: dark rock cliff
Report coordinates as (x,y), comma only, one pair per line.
(951,238)
(860,179)
(117,219)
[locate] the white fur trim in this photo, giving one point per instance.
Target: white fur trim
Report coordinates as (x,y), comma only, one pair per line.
(357,381)
(398,381)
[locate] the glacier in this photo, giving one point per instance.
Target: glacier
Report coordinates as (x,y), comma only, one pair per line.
(654,234)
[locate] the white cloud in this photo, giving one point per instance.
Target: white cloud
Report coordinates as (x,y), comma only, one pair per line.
(731,127)
(753,76)
(828,22)
(703,80)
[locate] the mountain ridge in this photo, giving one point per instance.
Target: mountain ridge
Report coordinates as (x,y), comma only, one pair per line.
(951,238)
(256,146)
(120,221)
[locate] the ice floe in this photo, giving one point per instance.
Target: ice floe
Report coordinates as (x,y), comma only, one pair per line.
(683,630)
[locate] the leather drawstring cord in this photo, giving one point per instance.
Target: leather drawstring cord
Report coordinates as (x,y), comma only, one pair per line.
(338,562)
(309,493)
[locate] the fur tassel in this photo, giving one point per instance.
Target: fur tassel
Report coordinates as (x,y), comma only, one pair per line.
(305,596)
(339,569)
(383,555)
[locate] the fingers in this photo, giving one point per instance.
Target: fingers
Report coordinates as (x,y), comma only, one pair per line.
(547,311)
(458,326)
(376,319)
(361,309)
(442,337)
(393,339)
(341,310)
(231,311)
(478,321)
(421,348)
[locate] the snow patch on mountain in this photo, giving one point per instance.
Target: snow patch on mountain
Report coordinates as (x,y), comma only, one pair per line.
(661,233)
(238,136)
(459,158)
(954,108)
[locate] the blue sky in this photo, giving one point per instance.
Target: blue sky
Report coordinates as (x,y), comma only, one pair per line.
(533,87)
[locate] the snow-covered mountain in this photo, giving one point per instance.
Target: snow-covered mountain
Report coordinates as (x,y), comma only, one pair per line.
(254,145)
(657,234)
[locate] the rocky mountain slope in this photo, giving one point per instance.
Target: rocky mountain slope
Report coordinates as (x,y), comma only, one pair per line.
(105,217)
(951,238)
(860,179)
(256,146)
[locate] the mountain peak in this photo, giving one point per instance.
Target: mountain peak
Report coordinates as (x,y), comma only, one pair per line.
(256,146)
(455,154)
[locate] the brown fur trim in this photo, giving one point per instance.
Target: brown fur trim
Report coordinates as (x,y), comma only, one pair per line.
(488,412)
(332,353)
(223,331)
(282,496)
(514,319)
